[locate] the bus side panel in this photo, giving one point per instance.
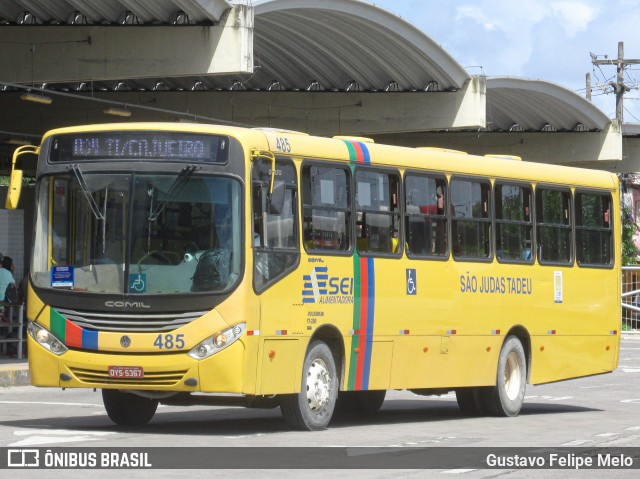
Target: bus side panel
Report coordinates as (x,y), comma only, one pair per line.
(280,366)
(577,324)
(281,354)
(444,361)
(381,355)
(556,358)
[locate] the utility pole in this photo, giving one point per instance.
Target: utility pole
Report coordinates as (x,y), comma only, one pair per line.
(619,87)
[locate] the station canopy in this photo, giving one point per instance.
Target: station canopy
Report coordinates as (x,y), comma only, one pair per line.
(319,46)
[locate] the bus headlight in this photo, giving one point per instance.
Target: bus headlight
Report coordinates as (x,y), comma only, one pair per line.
(217,342)
(46,339)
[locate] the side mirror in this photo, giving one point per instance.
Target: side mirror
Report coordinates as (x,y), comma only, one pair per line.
(15,188)
(15,185)
(276,198)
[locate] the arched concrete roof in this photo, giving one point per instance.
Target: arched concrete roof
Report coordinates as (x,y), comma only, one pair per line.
(111,12)
(339,44)
(332,45)
(335,42)
(519,104)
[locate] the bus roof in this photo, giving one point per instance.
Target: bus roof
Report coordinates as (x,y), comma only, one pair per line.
(429,159)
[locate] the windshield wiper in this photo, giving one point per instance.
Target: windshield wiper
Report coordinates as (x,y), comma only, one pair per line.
(87,193)
(176,186)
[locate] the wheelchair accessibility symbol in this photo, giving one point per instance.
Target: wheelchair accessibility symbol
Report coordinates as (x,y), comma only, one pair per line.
(138,283)
(411,282)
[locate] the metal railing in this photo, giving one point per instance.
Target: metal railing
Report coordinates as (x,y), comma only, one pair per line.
(12,329)
(631,298)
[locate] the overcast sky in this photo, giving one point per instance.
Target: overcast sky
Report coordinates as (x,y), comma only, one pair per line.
(549,40)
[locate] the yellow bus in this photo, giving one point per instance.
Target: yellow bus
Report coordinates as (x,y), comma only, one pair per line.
(201,264)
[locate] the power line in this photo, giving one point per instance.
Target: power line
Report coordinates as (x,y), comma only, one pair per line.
(619,87)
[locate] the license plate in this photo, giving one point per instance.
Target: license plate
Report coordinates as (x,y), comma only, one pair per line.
(126,372)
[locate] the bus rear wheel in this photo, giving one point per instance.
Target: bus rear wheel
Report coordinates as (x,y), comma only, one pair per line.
(128,410)
(507,396)
(471,401)
(312,408)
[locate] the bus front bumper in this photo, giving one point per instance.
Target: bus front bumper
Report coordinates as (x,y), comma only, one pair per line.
(222,372)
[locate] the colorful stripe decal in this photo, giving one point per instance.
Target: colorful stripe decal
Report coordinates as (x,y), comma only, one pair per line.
(367,308)
(71,334)
(364,297)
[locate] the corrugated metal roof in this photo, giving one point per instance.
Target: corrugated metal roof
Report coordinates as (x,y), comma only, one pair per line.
(114,12)
(329,45)
(519,104)
(342,43)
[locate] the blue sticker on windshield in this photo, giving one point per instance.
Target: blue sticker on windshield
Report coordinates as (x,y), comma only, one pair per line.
(62,276)
(138,283)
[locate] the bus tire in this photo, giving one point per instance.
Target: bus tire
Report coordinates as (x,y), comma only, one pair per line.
(370,402)
(471,401)
(128,410)
(358,403)
(507,396)
(312,408)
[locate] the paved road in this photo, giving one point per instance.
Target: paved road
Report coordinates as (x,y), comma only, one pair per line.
(597,411)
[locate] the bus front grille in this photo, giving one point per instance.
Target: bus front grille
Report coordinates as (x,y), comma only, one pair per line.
(162,378)
(128,322)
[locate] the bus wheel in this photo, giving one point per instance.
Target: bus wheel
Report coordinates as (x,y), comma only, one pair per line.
(311,409)
(507,396)
(352,403)
(471,401)
(370,402)
(128,410)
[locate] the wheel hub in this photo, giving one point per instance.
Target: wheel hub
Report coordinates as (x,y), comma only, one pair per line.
(512,376)
(318,385)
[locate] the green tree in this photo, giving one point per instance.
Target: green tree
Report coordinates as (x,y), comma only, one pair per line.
(629,250)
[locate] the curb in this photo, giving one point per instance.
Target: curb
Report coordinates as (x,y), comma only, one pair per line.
(14,376)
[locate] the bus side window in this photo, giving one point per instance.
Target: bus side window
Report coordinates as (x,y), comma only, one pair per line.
(275,238)
(471,219)
(514,226)
(553,225)
(377,212)
(326,200)
(594,235)
(426,224)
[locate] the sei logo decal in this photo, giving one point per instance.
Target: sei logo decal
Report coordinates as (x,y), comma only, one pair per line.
(319,287)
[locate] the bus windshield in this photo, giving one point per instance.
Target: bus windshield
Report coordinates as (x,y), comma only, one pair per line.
(138,233)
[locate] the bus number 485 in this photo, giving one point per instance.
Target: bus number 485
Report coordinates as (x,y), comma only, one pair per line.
(168,341)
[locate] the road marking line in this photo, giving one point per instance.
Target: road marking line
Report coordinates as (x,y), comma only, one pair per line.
(458,471)
(633,428)
(76,404)
(41,440)
(608,434)
(61,432)
(37,437)
(550,398)
(631,370)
